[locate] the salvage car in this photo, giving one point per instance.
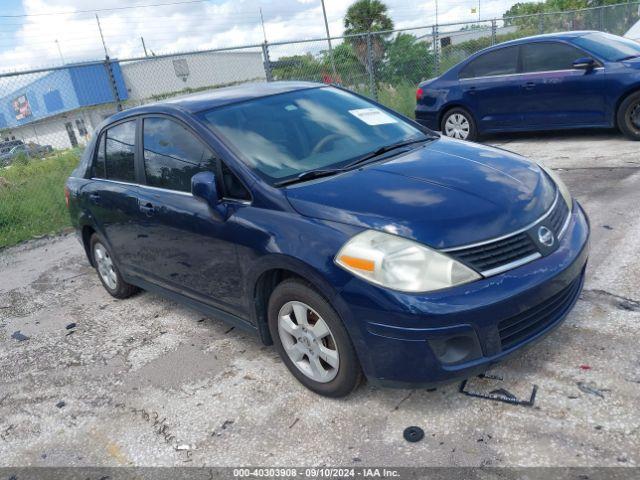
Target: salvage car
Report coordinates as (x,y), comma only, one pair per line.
(547,82)
(357,241)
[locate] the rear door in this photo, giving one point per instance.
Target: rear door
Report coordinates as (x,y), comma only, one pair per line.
(492,88)
(556,94)
(112,196)
(185,247)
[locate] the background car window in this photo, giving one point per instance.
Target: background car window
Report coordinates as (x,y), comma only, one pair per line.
(548,56)
(498,62)
(98,163)
(610,47)
(119,152)
(172,155)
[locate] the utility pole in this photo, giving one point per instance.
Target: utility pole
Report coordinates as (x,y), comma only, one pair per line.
(104,45)
(144,47)
(60,51)
(436,12)
(326,26)
(479,10)
(264,31)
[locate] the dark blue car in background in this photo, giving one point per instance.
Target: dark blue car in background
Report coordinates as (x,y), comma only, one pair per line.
(547,82)
(356,240)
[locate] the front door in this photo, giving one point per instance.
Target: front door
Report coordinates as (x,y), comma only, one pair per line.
(554,93)
(184,247)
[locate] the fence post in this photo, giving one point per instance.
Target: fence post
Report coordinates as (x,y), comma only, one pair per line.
(436,50)
(601,12)
(267,62)
(494,31)
(112,83)
(370,65)
(541,23)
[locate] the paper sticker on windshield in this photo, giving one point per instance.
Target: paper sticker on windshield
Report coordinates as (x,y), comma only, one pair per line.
(373,116)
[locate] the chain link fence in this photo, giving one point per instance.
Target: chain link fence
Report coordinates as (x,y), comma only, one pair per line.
(48,115)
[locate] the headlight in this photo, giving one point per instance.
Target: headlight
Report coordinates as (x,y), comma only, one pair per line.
(401,264)
(564,191)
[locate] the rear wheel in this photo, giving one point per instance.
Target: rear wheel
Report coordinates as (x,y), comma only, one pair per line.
(629,116)
(108,271)
(312,341)
(458,123)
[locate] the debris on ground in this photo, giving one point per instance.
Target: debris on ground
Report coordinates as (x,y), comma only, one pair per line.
(70,326)
(413,434)
(590,389)
(585,367)
(61,404)
(499,394)
(19,336)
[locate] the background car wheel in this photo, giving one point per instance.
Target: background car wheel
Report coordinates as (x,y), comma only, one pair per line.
(312,341)
(458,123)
(108,271)
(629,116)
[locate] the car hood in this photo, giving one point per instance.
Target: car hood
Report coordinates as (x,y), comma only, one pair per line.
(444,194)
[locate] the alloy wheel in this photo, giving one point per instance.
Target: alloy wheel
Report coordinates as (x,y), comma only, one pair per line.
(634,115)
(457,126)
(106,269)
(308,341)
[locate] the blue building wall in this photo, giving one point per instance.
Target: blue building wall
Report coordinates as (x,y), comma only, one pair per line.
(63,90)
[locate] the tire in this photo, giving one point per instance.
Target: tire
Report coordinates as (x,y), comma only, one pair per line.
(108,272)
(628,116)
(312,361)
(459,118)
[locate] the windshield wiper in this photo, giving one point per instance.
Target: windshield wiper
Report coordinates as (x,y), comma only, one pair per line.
(385,149)
(629,57)
(310,175)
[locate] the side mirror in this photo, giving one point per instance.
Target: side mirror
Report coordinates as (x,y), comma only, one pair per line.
(585,63)
(204,187)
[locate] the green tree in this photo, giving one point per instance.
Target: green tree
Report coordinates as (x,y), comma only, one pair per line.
(407,60)
(368,16)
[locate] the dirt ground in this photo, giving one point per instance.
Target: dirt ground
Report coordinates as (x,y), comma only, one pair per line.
(147,382)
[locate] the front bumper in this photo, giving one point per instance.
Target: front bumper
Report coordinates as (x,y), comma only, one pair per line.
(428,339)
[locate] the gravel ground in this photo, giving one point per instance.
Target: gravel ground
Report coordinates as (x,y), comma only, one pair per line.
(148,382)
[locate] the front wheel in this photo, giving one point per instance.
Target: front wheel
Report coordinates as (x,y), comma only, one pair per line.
(458,123)
(312,341)
(629,116)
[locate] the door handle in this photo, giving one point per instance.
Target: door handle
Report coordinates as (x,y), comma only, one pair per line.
(529,85)
(148,209)
(471,90)
(95,198)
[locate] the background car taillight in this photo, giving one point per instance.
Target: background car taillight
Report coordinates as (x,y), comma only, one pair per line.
(419,94)
(66,196)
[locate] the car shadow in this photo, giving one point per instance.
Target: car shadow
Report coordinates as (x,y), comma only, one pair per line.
(585,134)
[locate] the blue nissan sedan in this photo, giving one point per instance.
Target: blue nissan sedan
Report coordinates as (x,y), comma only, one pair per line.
(548,82)
(357,241)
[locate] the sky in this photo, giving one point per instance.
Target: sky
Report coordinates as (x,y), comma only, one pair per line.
(41,33)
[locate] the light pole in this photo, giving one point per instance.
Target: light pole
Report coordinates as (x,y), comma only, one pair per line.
(60,51)
(326,26)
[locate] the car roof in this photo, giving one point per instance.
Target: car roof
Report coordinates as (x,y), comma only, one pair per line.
(546,36)
(198,102)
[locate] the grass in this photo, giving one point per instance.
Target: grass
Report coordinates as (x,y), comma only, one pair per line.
(32,197)
(400,97)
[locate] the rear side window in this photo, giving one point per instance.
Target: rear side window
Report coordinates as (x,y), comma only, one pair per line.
(498,62)
(98,163)
(120,152)
(172,155)
(548,56)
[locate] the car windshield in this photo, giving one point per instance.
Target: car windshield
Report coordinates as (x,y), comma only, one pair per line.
(610,47)
(283,136)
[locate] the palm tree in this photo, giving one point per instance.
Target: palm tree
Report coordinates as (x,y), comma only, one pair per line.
(367,16)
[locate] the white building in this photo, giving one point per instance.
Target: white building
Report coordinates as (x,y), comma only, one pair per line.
(62,107)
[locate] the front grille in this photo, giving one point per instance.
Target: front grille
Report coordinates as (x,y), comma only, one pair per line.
(558,215)
(496,254)
(518,328)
